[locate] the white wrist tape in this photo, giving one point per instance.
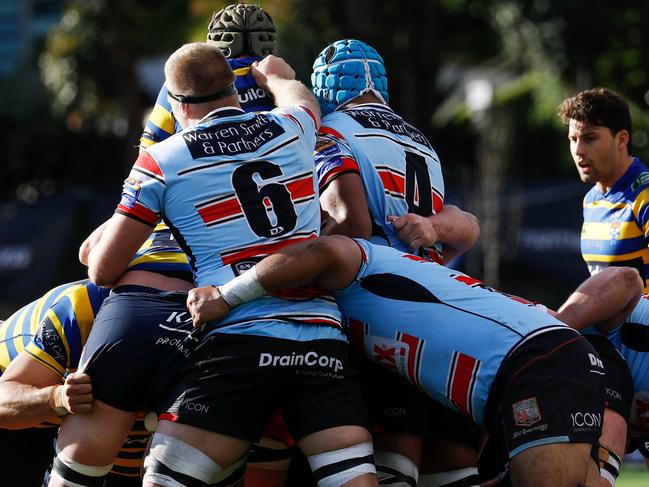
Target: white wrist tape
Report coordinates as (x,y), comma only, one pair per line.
(242,289)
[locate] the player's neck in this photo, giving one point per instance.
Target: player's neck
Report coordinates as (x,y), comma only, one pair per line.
(365,98)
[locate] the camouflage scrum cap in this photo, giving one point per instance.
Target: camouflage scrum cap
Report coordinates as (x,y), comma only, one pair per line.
(242,30)
(346,69)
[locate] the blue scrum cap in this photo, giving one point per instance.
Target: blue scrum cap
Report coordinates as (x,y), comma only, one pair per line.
(346,69)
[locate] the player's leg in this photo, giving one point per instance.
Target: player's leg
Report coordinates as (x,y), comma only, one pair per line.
(326,413)
(546,408)
(186,454)
(88,443)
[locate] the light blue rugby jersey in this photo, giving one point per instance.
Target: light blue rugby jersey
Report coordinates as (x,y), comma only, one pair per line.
(234,188)
(400,171)
(632,341)
(443,331)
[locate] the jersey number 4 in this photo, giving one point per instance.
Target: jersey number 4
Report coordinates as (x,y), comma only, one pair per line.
(418,193)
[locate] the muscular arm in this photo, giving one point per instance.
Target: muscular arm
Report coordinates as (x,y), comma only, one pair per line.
(455,229)
(328,262)
(276,76)
(89,243)
(110,256)
(348,213)
(29,392)
(605,299)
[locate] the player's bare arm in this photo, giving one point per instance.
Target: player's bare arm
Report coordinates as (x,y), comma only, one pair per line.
(328,262)
(30,393)
(275,75)
(605,299)
(110,256)
(345,203)
(90,242)
(456,229)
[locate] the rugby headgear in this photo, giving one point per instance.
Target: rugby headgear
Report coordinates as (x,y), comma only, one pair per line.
(346,69)
(242,30)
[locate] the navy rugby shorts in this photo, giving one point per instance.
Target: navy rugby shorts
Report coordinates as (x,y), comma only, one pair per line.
(550,389)
(135,347)
(237,381)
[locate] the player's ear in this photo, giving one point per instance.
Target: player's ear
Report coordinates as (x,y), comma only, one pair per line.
(622,139)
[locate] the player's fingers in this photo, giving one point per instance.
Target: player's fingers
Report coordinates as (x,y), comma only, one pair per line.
(78,378)
(78,389)
(398,222)
(81,399)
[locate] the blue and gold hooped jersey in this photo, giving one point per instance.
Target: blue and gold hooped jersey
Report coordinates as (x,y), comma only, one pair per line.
(399,169)
(53,329)
(162,254)
(161,122)
(616,224)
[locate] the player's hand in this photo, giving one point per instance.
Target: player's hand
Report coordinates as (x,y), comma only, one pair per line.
(271,66)
(205,304)
(415,230)
(75,395)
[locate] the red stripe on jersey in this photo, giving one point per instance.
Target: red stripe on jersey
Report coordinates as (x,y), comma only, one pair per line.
(302,293)
(310,113)
(469,281)
(260,250)
(414,345)
(328,130)
(461,382)
(145,161)
(139,212)
(393,182)
(301,188)
(348,165)
(220,210)
(438,202)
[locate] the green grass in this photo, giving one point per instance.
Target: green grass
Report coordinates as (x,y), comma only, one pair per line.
(633,477)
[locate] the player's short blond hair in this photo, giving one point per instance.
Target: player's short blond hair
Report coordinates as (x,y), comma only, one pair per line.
(197,69)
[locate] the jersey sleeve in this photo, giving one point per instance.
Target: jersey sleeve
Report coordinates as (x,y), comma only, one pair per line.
(641,210)
(302,118)
(333,158)
(49,345)
(161,123)
(143,191)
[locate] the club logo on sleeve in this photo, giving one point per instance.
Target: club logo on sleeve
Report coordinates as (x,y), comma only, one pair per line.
(130,192)
(526,412)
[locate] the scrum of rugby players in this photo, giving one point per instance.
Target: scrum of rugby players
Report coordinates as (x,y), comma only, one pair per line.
(268,373)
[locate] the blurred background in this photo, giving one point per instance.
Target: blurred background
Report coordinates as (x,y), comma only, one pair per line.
(482,79)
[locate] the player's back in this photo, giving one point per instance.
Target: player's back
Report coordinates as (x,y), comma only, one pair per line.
(400,171)
(72,305)
(234,188)
(441,329)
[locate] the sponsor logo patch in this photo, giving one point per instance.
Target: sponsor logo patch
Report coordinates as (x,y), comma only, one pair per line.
(130,192)
(326,147)
(642,179)
(526,412)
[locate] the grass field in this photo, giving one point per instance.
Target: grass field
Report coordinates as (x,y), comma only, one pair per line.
(633,477)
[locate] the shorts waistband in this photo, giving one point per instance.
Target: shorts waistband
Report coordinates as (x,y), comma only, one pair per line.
(176,296)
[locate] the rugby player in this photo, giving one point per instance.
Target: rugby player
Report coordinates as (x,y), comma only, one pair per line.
(234,187)
(381,180)
(524,377)
(616,214)
(245,33)
(41,347)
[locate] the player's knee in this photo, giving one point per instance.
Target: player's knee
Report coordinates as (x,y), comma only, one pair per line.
(395,470)
(334,468)
(174,463)
(74,473)
(467,477)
